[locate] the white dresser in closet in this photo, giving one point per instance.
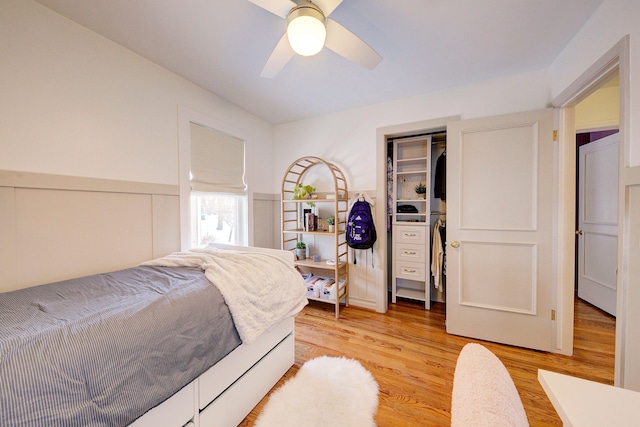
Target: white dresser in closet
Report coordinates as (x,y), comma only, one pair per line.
(410,268)
(412,218)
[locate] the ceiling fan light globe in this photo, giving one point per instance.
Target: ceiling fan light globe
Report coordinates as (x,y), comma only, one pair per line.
(306,31)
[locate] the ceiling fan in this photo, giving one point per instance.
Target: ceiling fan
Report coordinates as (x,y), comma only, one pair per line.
(309,29)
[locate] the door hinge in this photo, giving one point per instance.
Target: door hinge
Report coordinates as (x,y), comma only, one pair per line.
(555,135)
(553,315)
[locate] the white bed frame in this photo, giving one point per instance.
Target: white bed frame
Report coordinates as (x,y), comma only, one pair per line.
(70,227)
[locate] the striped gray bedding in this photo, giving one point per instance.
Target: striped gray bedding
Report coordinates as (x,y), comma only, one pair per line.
(102,350)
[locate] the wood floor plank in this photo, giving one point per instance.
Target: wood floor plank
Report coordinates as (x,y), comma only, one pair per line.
(413,359)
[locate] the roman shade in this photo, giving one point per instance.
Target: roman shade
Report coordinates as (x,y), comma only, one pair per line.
(217,161)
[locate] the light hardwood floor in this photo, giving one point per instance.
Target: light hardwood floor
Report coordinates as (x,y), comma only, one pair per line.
(413,359)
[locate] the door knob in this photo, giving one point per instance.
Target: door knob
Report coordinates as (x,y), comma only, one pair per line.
(579,233)
(455,244)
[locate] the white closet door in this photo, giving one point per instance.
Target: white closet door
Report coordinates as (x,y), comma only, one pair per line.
(500,222)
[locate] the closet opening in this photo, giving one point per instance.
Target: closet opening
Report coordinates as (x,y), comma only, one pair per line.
(416,218)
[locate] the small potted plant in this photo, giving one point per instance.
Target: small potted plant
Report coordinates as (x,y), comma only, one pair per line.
(301,250)
(331,222)
(421,190)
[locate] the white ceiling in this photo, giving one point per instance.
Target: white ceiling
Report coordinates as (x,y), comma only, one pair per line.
(426,45)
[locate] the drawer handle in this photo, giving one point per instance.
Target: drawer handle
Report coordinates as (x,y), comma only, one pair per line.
(409,252)
(410,234)
(409,270)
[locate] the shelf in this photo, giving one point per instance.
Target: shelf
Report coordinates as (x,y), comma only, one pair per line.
(412,172)
(313,200)
(413,160)
(418,295)
(328,301)
(322,233)
(337,206)
(322,264)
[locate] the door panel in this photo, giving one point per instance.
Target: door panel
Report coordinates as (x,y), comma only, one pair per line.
(500,216)
(514,264)
(495,194)
(598,222)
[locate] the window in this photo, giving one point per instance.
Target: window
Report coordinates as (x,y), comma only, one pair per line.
(217,218)
(218,199)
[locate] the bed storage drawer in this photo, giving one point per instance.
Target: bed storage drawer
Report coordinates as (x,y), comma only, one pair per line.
(230,408)
(220,376)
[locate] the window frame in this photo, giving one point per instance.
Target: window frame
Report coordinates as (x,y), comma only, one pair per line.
(187,116)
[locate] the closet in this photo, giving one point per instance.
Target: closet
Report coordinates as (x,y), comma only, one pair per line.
(416,217)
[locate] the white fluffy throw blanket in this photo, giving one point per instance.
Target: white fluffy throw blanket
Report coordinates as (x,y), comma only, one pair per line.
(259,288)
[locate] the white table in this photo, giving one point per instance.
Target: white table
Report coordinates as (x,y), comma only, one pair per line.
(584,403)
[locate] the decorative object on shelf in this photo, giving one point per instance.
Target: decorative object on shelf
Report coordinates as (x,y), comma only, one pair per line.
(407,209)
(302,192)
(421,190)
(311,221)
(301,250)
(331,222)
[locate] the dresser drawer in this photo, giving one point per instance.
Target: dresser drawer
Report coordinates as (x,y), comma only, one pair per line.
(411,271)
(411,253)
(416,235)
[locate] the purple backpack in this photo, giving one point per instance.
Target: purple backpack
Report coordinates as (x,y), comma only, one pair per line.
(361,231)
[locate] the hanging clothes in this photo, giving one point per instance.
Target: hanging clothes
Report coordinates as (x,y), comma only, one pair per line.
(389,193)
(443,240)
(440,181)
(437,255)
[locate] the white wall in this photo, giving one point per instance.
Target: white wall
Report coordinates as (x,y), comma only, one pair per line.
(75,103)
(348,138)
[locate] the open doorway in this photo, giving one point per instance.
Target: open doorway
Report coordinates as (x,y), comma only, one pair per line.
(615,62)
(597,120)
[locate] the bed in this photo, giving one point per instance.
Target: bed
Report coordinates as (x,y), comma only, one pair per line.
(193,329)
(56,229)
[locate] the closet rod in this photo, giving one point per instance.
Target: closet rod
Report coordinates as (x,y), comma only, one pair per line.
(416,135)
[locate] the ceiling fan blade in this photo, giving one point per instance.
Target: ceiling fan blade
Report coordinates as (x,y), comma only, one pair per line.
(327,6)
(278,59)
(348,45)
(277,7)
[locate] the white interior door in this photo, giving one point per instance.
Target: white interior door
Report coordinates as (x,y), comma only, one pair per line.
(598,222)
(500,222)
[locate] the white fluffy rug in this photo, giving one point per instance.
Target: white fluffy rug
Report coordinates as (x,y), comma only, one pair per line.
(326,391)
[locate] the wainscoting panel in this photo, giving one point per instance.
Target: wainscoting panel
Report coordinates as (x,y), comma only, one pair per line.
(56,227)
